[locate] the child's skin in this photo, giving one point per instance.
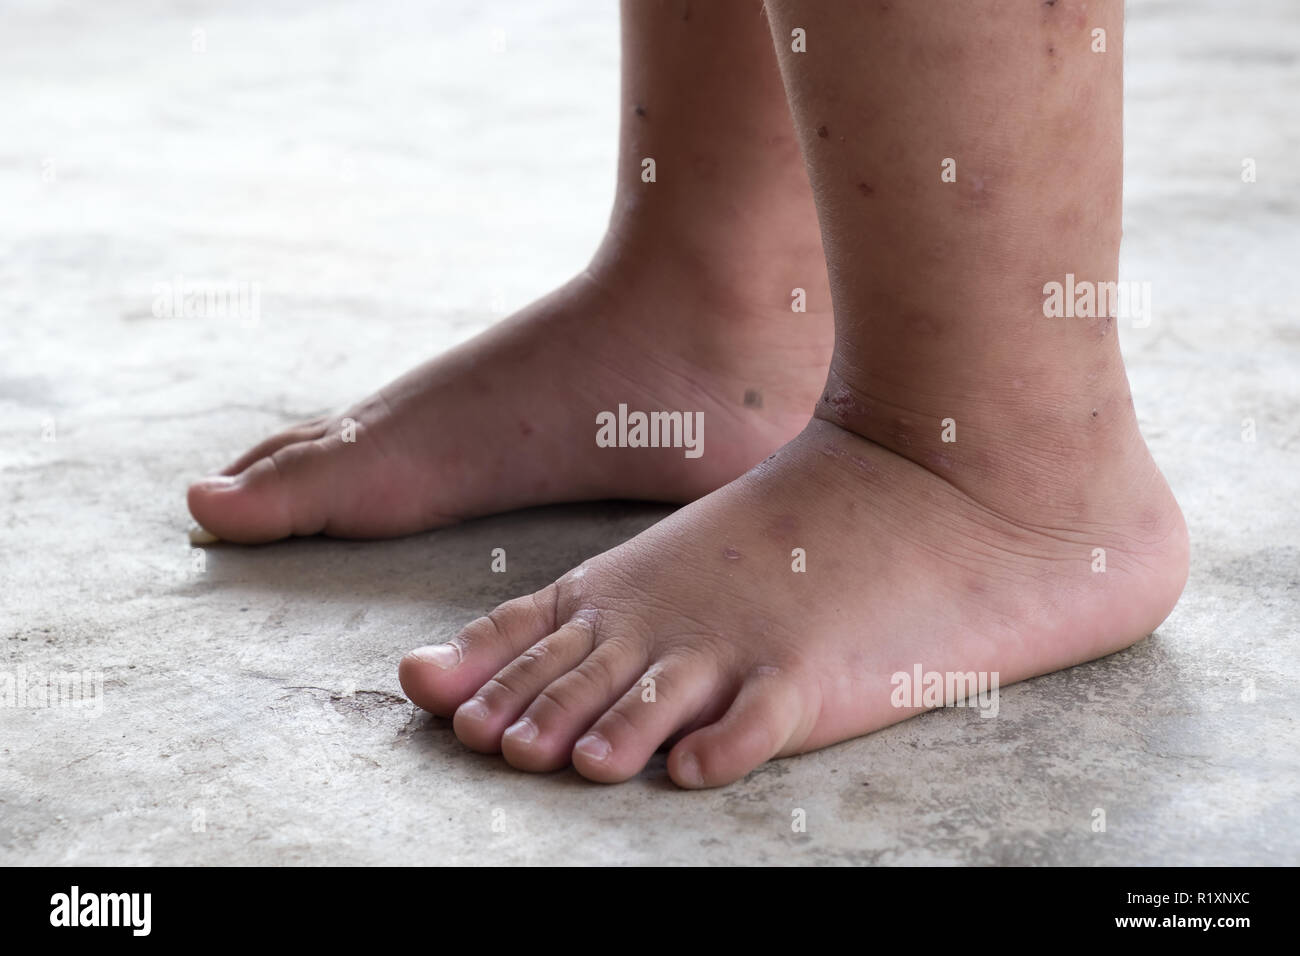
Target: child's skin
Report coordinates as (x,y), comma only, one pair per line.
(973,555)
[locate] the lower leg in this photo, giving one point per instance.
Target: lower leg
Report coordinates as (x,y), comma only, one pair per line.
(685,307)
(938,285)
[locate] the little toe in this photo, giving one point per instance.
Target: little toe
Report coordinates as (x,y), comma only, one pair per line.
(760,723)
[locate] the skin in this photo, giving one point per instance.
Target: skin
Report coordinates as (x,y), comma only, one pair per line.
(974,555)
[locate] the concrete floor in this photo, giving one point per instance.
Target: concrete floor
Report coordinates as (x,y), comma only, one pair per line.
(397,177)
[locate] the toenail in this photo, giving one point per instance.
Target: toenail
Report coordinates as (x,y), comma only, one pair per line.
(199,536)
(524,731)
(217,482)
(474,709)
(439,655)
(594,746)
(688,771)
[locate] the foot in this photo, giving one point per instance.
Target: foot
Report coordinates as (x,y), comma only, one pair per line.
(509,419)
(701,632)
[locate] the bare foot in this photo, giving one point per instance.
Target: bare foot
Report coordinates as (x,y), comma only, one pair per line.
(702,631)
(686,308)
(509,419)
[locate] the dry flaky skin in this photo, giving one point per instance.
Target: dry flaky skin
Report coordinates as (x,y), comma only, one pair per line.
(200,536)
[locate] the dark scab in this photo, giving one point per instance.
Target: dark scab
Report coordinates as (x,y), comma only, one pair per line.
(1049,3)
(753,398)
(640,110)
(865,189)
(1051,51)
(823,132)
(1094,413)
(842,401)
(731,554)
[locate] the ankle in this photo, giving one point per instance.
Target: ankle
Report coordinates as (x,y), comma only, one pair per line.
(1049,463)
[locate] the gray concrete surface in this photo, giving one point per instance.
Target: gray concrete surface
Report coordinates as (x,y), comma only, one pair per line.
(395,177)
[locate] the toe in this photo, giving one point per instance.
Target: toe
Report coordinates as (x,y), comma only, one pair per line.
(482,719)
(760,723)
(668,696)
(544,737)
(286,493)
(307,431)
(441,677)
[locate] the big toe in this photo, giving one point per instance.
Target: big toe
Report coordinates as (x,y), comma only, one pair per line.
(441,677)
(285,493)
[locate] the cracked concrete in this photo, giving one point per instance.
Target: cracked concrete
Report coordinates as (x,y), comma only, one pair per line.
(394,185)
